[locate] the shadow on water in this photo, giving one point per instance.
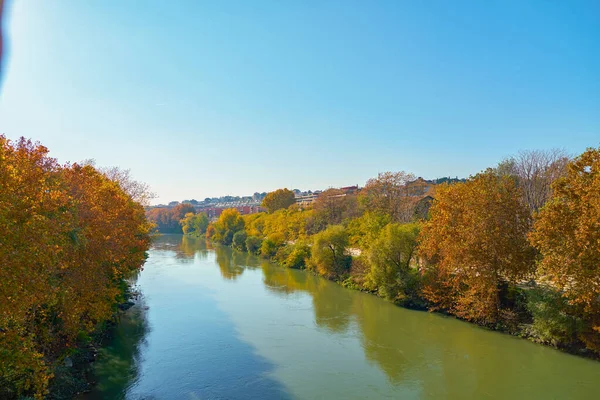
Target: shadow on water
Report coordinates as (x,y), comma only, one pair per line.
(176,344)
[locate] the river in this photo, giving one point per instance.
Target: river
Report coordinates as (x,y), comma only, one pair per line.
(220,324)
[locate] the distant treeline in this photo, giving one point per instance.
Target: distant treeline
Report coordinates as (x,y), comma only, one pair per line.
(69,236)
(514,248)
(167,219)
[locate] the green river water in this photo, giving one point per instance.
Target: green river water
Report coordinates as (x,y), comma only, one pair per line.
(220,324)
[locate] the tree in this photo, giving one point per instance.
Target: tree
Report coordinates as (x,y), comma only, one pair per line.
(553,319)
(230,221)
(167,219)
(391,194)
(567,234)
(364,230)
(298,256)
(390,257)
(271,244)
(139,191)
(329,252)
(535,171)
(475,241)
(281,198)
(253,244)
(239,240)
(70,237)
(333,206)
(195,224)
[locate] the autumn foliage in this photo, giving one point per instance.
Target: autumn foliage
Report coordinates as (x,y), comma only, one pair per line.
(475,240)
(567,234)
(514,248)
(168,220)
(281,198)
(69,236)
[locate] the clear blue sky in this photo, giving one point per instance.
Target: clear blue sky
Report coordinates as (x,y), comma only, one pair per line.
(207,98)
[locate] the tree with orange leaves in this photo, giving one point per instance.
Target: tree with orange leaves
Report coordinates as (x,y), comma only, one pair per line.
(475,241)
(567,234)
(70,235)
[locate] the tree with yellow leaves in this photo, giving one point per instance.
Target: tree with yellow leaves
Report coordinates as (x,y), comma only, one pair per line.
(280,198)
(230,221)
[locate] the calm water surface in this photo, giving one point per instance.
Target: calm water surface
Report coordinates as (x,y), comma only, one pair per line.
(219,324)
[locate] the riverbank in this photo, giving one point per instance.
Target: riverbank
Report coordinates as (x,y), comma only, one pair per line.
(74,375)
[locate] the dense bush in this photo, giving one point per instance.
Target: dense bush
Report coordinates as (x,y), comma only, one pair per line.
(253,244)
(298,256)
(390,257)
(239,240)
(328,252)
(551,320)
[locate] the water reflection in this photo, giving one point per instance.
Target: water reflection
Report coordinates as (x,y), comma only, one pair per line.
(186,248)
(117,367)
(230,269)
(429,355)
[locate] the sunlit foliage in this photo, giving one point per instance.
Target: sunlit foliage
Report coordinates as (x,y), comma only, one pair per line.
(328,252)
(390,257)
(567,234)
(281,198)
(476,252)
(476,239)
(194,224)
(70,235)
(230,221)
(167,219)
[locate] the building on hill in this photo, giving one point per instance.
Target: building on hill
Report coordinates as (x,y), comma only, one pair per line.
(306,200)
(350,189)
(214,212)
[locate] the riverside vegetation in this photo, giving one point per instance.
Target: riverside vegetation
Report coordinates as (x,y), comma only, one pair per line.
(70,237)
(515,248)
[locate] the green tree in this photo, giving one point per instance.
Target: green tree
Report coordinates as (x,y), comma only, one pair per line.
(195,224)
(365,229)
(253,244)
(329,252)
(390,257)
(271,244)
(298,256)
(553,319)
(281,198)
(239,240)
